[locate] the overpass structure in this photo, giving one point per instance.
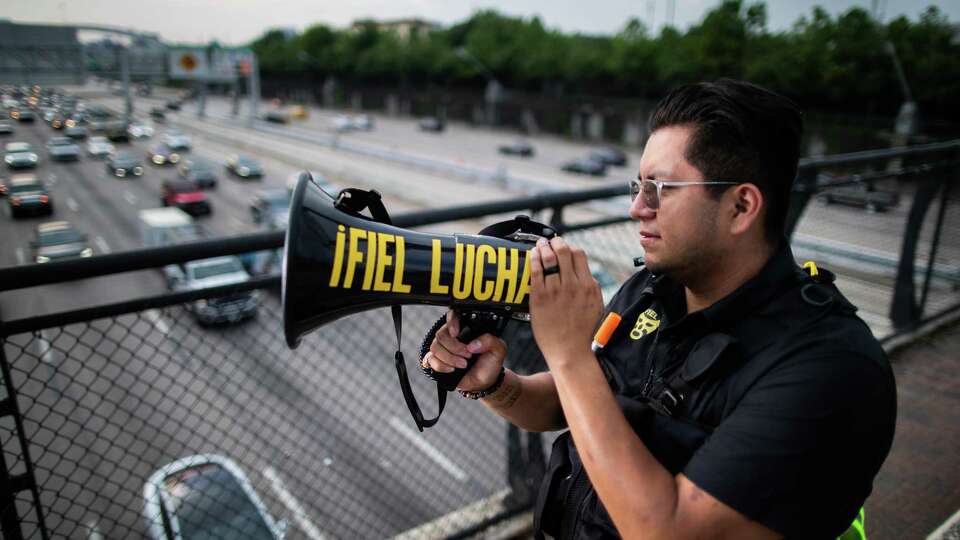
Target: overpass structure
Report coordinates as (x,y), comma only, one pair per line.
(54,55)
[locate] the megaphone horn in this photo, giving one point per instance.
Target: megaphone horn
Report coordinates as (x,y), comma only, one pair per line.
(338,262)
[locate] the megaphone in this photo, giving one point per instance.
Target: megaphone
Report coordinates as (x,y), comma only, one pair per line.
(338,262)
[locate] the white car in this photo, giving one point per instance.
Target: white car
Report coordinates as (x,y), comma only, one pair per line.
(342,123)
(140,131)
(176,140)
(206,496)
(99,147)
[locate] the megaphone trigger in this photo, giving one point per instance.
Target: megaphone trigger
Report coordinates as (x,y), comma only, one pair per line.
(473,324)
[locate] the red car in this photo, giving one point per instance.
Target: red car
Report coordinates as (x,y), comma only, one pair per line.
(185,195)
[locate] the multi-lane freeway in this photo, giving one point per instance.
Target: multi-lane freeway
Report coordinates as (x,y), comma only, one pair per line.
(322,431)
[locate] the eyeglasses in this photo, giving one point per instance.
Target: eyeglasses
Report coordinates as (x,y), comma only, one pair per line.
(650,189)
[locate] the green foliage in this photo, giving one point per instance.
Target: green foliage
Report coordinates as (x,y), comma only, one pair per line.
(821,61)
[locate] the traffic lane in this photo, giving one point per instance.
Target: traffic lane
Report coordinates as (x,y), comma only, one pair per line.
(460,143)
(358,381)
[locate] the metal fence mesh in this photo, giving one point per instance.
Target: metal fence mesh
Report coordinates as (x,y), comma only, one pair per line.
(321,433)
(320,436)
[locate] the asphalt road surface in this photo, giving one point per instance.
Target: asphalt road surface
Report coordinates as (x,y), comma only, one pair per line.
(322,431)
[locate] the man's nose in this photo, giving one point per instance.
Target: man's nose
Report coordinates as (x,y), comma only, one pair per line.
(639,209)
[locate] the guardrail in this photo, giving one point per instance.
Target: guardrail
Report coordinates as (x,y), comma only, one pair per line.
(101,400)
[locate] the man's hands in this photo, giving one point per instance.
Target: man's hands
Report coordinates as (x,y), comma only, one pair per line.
(564,310)
(447,353)
(564,306)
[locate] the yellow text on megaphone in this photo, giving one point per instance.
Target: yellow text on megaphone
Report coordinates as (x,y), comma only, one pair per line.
(371,250)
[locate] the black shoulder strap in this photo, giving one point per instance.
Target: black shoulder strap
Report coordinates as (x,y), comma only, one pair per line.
(355,200)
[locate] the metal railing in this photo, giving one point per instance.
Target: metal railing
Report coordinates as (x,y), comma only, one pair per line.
(101,403)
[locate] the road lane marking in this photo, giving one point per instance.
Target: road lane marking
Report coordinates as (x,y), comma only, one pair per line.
(428,449)
(21,258)
(292,504)
(73,204)
(157,321)
(102,244)
(44,348)
(130,197)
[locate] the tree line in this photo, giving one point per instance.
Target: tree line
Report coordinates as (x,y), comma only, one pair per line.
(841,63)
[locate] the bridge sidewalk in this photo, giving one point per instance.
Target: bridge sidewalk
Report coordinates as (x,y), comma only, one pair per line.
(918,488)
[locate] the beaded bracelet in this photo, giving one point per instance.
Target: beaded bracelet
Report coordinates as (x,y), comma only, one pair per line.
(488,390)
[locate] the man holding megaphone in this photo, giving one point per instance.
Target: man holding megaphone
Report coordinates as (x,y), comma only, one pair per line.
(739,396)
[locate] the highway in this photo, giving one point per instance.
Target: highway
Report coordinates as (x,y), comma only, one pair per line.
(322,431)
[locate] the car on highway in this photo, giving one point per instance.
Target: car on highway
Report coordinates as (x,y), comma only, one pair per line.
(585,166)
(63,149)
(243,166)
(162,154)
(57,240)
(20,155)
(116,131)
(139,130)
(431,124)
(22,115)
(199,172)
(343,123)
(123,164)
(99,146)
(173,104)
(158,114)
(6,128)
(517,148)
(28,195)
(176,140)
(270,208)
(57,122)
(185,195)
(75,132)
(277,117)
(206,496)
(214,272)
(610,155)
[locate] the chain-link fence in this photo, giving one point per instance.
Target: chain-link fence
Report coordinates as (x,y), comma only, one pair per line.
(145,423)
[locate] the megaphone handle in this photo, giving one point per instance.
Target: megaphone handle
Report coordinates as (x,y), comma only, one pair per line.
(473,325)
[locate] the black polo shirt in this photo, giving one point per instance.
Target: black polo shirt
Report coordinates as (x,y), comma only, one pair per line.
(791,424)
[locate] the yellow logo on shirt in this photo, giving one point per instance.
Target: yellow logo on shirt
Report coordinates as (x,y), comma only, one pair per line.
(647,322)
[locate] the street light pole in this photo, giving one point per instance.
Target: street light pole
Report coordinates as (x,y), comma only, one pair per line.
(494,91)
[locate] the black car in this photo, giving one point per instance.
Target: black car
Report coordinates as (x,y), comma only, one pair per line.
(116,131)
(158,114)
(610,155)
(243,166)
(122,164)
(23,115)
(27,195)
(199,172)
(173,104)
(585,166)
(58,240)
(516,148)
(432,124)
(161,154)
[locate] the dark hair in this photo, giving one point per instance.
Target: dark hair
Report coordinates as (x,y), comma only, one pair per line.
(740,132)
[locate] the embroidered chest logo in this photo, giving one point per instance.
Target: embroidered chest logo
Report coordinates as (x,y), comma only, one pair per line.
(647,322)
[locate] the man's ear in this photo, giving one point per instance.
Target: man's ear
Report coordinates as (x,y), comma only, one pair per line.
(746,206)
